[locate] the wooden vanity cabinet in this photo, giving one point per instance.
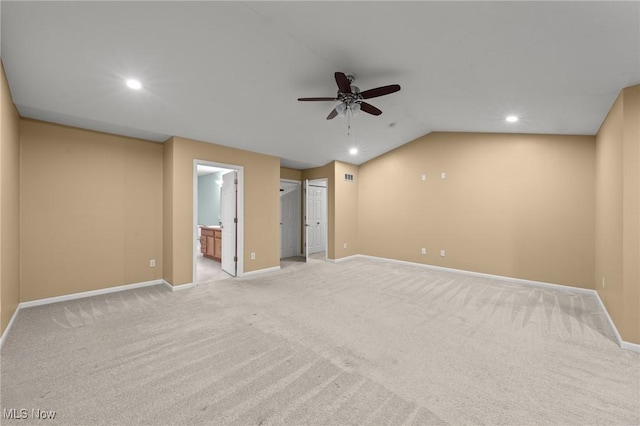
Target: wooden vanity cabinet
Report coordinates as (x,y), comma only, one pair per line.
(211,242)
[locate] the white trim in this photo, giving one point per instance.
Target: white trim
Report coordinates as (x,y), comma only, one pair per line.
(261,271)
(325,181)
(240,213)
(84,294)
(606,313)
(298,212)
(178,287)
(623,344)
(480,274)
(353,256)
(634,347)
(6,330)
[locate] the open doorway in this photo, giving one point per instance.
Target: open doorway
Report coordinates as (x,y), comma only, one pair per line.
(291,220)
(217,221)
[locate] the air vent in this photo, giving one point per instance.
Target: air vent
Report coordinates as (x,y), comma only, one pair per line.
(348,177)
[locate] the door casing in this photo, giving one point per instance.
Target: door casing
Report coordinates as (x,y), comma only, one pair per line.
(240,210)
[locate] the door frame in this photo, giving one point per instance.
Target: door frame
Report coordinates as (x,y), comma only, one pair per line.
(240,213)
(326,217)
(299,250)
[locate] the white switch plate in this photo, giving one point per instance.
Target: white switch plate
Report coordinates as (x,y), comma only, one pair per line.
(345,245)
(424,251)
(424,177)
(152,263)
(443,175)
(603,283)
(253,256)
(442,253)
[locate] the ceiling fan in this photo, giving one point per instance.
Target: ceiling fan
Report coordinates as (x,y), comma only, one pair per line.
(351,98)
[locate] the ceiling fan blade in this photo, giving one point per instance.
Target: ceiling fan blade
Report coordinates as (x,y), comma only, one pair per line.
(343,83)
(369,108)
(332,114)
(380,91)
(317,99)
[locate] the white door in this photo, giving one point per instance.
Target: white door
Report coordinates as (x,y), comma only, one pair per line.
(315,218)
(229,219)
(305,190)
(289,223)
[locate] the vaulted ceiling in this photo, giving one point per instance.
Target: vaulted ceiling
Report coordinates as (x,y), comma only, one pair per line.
(231,72)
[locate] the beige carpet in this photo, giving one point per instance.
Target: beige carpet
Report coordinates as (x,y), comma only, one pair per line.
(359,342)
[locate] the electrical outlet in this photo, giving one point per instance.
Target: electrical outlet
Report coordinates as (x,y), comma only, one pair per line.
(424,251)
(253,256)
(152,263)
(442,253)
(603,283)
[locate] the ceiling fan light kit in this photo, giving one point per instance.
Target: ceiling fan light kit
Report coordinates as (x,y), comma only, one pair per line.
(352,99)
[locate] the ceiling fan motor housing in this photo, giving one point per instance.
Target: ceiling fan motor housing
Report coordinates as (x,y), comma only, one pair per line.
(351,98)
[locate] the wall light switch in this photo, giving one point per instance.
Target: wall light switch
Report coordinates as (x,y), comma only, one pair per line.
(442,253)
(253,256)
(152,263)
(345,245)
(443,175)
(424,177)
(424,251)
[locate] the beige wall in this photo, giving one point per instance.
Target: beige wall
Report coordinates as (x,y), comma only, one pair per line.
(91,210)
(512,205)
(9,204)
(291,174)
(261,205)
(617,260)
(630,328)
(167,209)
(346,211)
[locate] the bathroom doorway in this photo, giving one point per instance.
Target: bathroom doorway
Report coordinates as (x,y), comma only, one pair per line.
(217,221)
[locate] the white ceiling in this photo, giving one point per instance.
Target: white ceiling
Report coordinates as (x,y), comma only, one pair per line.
(207,170)
(230,72)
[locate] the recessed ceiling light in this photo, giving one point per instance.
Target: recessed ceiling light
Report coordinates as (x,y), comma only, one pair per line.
(353,151)
(134,84)
(512,119)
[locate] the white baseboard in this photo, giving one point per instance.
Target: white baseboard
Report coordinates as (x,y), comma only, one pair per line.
(609,320)
(49,300)
(6,330)
(178,287)
(84,294)
(623,344)
(634,347)
(481,274)
(261,271)
(353,256)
